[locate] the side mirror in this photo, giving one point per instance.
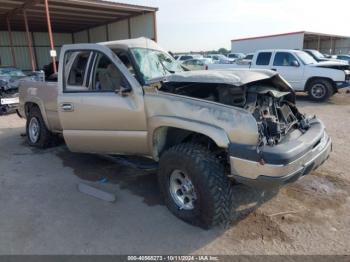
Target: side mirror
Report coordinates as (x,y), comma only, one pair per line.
(123,91)
(295,63)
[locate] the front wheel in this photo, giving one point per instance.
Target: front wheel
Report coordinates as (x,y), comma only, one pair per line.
(194,185)
(320,90)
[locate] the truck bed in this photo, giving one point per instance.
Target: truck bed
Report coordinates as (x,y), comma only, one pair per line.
(44,94)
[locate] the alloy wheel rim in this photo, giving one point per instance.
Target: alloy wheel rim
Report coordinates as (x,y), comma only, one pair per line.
(318,90)
(34,130)
(182,190)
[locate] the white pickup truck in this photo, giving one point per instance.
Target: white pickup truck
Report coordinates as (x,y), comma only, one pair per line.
(320,80)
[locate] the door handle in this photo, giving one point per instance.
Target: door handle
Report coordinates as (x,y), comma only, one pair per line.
(67,107)
(273,69)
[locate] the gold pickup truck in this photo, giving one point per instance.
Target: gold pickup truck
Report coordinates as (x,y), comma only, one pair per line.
(207,129)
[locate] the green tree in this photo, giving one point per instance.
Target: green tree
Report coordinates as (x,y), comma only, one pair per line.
(223,51)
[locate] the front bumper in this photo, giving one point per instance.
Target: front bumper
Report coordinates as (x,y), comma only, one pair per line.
(343,84)
(286,163)
(8,103)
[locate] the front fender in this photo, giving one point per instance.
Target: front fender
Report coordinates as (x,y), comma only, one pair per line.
(335,75)
(217,134)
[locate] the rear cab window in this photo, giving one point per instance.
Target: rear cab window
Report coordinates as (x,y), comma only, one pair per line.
(263,58)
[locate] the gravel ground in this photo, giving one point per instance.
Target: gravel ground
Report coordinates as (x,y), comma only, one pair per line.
(42,212)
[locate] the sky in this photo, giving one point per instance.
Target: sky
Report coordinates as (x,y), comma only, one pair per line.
(195,25)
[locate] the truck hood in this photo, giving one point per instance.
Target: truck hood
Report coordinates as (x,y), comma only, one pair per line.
(333,60)
(7,82)
(332,65)
(236,77)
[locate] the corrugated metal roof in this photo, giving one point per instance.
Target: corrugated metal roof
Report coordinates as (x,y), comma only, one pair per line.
(306,34)
(266,36)
(66,15)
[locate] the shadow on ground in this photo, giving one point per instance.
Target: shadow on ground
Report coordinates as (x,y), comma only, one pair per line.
(143,183)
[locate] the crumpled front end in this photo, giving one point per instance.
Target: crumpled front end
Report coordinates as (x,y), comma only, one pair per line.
(290,144)
(285,145)
(283,163)
(9,96)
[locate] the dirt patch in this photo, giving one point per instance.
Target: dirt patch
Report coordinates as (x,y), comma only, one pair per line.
(343,98)
(310,200)
(258,225)
(318,192)
(335,179)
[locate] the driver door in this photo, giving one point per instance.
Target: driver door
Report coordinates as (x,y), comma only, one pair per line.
(96,116)
(288,66)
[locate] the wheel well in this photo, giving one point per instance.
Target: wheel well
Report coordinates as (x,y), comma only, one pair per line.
(166,137)
(320,77)
(29,106)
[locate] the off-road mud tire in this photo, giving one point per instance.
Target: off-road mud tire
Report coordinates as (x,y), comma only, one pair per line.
(213,188)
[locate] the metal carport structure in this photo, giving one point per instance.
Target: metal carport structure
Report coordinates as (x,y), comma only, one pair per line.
(74,20)
(325,43)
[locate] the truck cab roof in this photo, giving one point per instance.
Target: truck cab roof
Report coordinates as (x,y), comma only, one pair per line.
(141,42)
(280,50)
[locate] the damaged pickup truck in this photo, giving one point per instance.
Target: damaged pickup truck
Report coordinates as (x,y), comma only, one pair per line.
(10,79)
(207,129)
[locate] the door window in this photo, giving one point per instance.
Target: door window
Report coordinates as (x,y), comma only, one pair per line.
(284,59)
(106,76)
(263,58)
(126,61)
(77,63)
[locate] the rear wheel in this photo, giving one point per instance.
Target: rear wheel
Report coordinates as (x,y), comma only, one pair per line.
(320,90)
(194,185)
(37,133)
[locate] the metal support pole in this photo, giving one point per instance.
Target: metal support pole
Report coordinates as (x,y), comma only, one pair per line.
(107,33)
(129,28)
(155,26)
(50,34)
(29,40)
(88,35)
(11,42)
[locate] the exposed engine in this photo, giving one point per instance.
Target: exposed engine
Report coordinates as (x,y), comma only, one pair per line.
(274,110)
(275,115)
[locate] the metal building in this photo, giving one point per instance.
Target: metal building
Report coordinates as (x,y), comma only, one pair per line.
(31,29)
(325,43)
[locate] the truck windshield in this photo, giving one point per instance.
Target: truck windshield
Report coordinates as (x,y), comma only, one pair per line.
(317,54)
(154,63)
(11,72)
(306,58)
